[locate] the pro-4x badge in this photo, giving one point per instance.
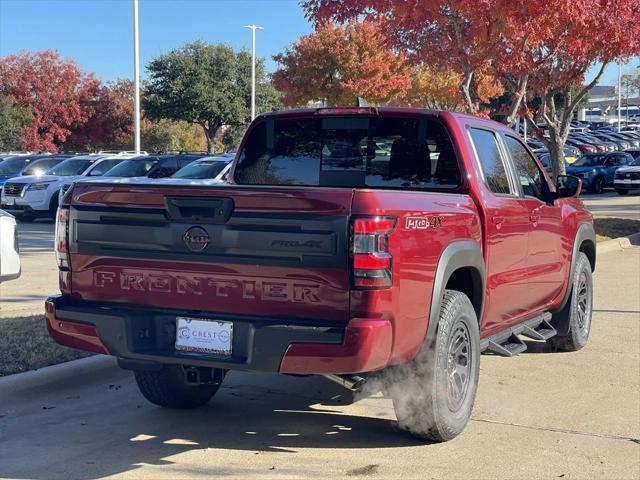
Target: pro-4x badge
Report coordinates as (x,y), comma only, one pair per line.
(422,223)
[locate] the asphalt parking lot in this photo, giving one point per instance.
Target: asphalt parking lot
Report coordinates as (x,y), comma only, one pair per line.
(610,204)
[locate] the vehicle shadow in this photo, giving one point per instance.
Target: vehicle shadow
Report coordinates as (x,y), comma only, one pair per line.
(281,417)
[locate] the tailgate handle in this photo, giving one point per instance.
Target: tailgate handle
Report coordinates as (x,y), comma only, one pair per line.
(199,209)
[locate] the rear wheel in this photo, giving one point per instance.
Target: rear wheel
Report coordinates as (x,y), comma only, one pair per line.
(168,387)
(598,185)
(622,191)
(573,322)
(434,394)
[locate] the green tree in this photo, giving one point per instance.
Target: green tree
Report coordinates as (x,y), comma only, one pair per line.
(13,119)
(171,136)
(206,85)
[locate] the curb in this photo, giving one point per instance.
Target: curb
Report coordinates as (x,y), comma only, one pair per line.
(617,244)
(94,365)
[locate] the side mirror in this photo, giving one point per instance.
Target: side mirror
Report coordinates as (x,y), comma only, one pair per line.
(568,186)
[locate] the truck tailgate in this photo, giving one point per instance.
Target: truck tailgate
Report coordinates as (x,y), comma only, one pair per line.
(275,252)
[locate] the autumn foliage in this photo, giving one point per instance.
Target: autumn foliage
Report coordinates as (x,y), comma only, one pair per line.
(54,90)
(339,63)
(109,122)
(528,48)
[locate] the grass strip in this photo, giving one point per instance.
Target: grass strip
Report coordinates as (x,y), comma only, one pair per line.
(608,228)
(25,345)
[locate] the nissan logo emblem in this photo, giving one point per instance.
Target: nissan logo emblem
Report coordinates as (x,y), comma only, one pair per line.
(196,239)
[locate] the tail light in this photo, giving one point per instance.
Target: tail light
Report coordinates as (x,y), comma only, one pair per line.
(371,257)
(62,238)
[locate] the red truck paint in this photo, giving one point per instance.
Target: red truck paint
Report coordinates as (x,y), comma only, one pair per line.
(527,249)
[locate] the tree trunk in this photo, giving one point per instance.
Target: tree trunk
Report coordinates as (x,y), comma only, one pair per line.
(465,89)
(210,134)
(516,101)
(559,120)
(210,141)
(556,149)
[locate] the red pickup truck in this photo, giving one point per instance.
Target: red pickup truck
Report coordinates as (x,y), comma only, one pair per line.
(356,243)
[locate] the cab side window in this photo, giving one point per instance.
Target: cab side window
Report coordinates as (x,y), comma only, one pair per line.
(495,173)
(527,171)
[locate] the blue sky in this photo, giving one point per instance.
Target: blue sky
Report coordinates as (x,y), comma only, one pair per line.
(97,34)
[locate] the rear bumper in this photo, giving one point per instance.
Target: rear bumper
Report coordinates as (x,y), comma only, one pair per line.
(143,338)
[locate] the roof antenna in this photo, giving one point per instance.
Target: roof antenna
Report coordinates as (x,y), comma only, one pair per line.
(361,102)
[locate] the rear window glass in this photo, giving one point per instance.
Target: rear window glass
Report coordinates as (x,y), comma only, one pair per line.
(382,152)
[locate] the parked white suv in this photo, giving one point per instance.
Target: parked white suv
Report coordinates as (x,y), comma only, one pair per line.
(31,196)
(628,178)
(9,256)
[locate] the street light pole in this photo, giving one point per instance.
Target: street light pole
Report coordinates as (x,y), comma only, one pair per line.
(253,68)
(619,95)
(136,75)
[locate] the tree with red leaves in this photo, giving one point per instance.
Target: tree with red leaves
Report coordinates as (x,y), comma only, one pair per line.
(540,47)
(110,122)
(337,64)
(460,36)
(55,91)
(582,34)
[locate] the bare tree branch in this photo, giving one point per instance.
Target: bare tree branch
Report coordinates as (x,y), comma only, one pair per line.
(581,94)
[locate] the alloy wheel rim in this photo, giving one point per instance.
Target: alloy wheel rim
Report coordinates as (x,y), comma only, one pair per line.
(458,366)
(583,306)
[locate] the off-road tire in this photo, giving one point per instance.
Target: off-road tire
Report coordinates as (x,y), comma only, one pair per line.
(420,389)
(167,388)
(573,322)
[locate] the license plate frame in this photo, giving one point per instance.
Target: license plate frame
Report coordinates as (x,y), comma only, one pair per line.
(204,335)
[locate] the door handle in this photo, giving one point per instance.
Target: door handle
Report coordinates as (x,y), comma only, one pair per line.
(497,219)
(534,218)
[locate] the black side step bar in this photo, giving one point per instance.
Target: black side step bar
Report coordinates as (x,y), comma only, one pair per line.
(507,343)
(512,347)
(544,331)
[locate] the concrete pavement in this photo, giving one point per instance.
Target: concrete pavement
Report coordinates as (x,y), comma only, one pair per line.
(25,296)
(39,279)
(539,415)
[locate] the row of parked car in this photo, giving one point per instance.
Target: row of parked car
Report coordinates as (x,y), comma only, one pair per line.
(32,185)
(601,158)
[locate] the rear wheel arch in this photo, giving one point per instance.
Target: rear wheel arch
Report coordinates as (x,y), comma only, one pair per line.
(460,267)
(468,280)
